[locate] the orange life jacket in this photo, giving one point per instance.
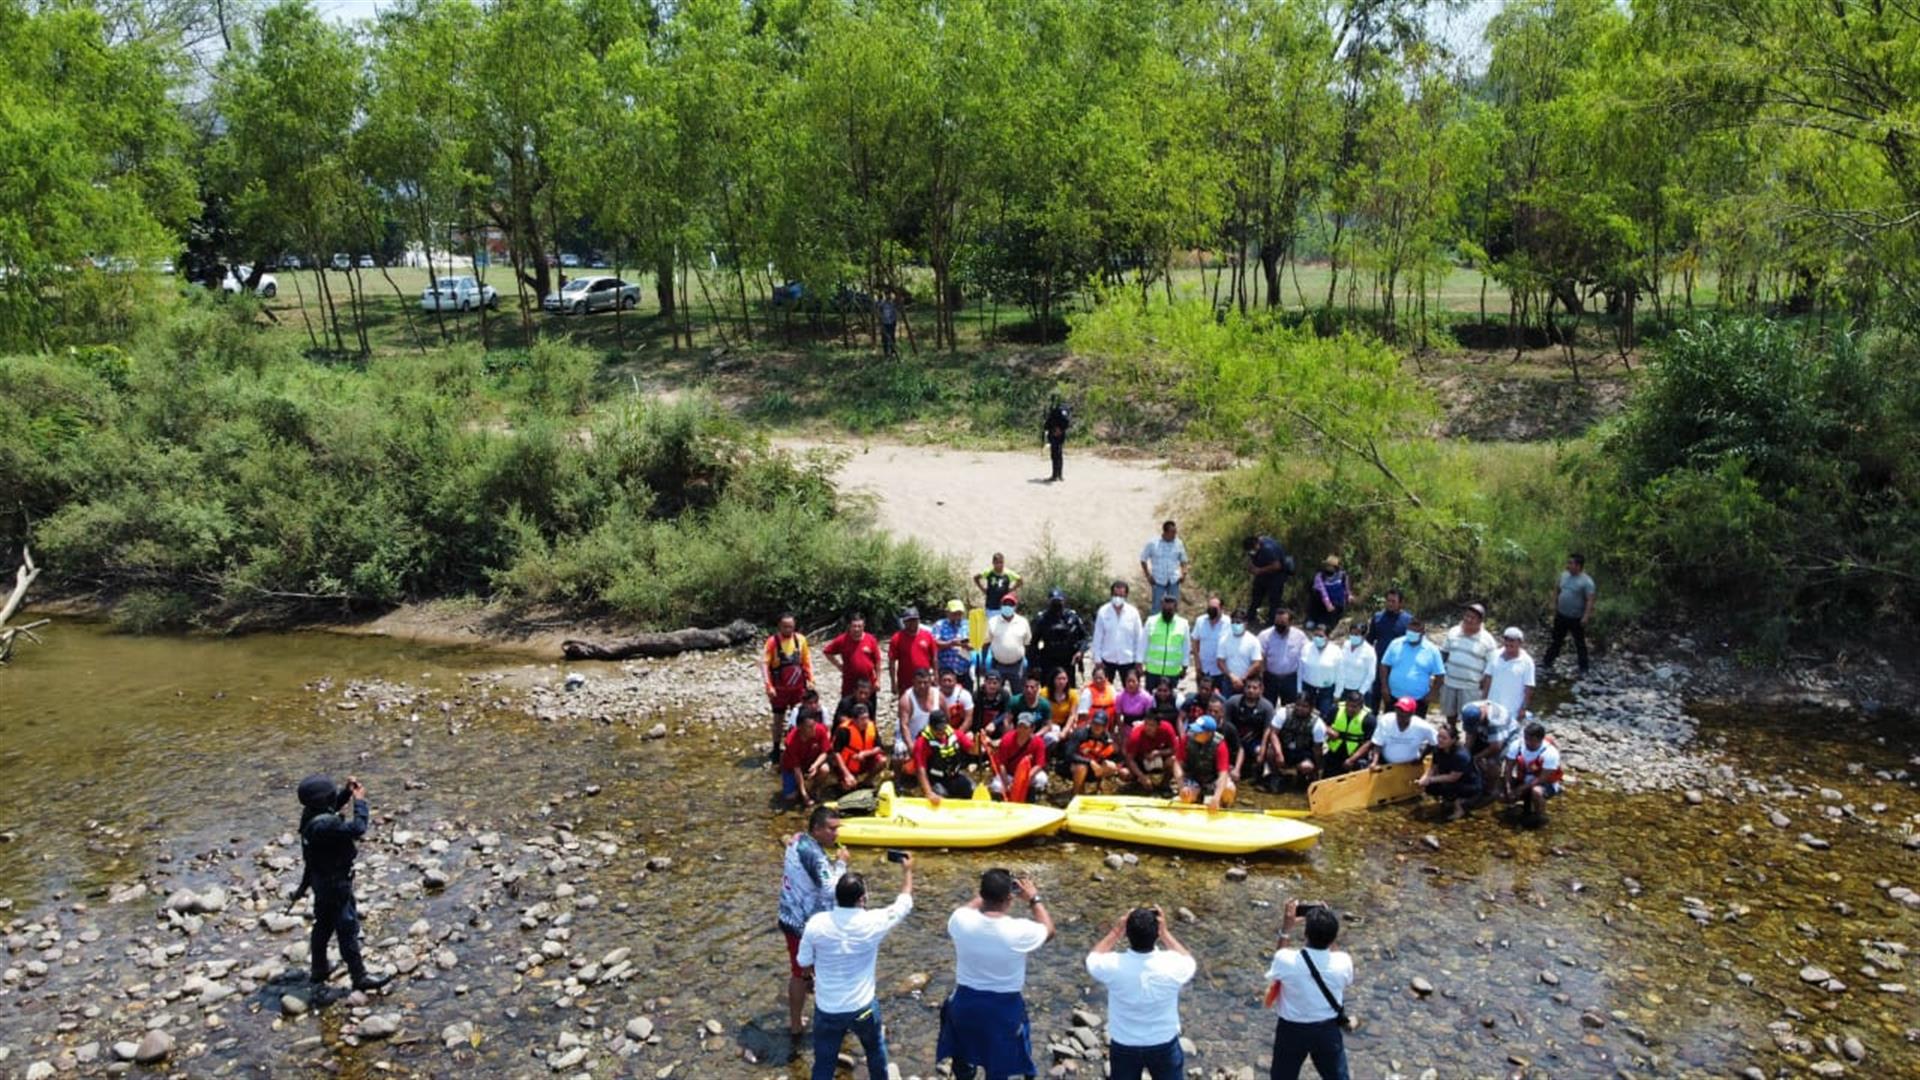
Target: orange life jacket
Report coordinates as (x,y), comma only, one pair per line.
(860,738)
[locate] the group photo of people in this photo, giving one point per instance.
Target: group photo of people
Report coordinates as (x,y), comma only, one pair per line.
(1299,681)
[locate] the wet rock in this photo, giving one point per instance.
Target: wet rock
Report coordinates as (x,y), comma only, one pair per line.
(1086,1018)
(639,1029)
(568,1060)
(1778,819)
(1753,1072)
(154,1047)
(1550,978)
(1185,915)
(715,1027)
(1815,842)
(1432,842)
(379,1026)
(273,922)
(1814,974)
(124,1051)
(456,1035)
(435,878)
(293,1005)
(1236,873)
(1592,1020)
(1421,986)
(1115,862)
(1828,1068)
(657,731)
(1853,1048)
(126,894)
(40,1070)
(1695,797)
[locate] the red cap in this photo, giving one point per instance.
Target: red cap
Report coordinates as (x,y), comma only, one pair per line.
(1407,705)
(1010,598)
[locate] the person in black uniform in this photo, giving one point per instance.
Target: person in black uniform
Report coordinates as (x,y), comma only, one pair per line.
(1059,637)
(1054,432)
(328,835)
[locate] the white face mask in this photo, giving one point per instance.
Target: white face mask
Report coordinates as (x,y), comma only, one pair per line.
(1355,640)
(1239,628)
(1118,601)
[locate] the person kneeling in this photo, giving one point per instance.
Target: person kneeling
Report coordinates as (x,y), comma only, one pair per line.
(939,760)
(1019,753)
(1294,745)
(858,757)
(1092,755)
(806,758)
(1202,766)
(1451,776)
(1533,772)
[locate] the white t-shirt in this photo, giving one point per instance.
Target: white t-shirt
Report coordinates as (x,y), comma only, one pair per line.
(990,952)
(1239,652)
(1143,993)
(1009,638)
(1510,681)
(841,945)
(1399,747)
(1209,634)
(1300,998)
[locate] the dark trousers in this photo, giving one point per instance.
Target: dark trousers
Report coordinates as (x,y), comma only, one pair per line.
(1043,668)
(1322,697)
(1280,689)
(1324,1042)
(1117,673)
(886,339)
(1057,449)
(1172,680)
(830,1031)
(1562,625)
(336,915)
(1268,589)
(1163,1062)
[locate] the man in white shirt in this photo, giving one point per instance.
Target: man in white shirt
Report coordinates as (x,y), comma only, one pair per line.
(1239,654)
(1510,676)
(1359,666)
(1400,737)
(1143,995)
(1312,987)
(1118,637)
(1209,631)
(1468,649)
(984,1024)
(1008,635)
(839,947)
(1319,668)
(1164,563)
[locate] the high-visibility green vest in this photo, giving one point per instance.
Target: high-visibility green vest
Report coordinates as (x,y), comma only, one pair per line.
(1166,645)
(1349,732)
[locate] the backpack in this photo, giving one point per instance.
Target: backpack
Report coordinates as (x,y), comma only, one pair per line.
(1059,415)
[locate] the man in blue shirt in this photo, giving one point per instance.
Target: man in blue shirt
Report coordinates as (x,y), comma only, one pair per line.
(956,652)
(1411,666)
(1268,566)
(1388,625)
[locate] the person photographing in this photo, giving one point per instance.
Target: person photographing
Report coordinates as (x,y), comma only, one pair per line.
(1143,984)
(983,1024)
(1312,985)
(329,842)
(839,948)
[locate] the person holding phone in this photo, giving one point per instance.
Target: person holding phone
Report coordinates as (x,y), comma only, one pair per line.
(984,1024)
(1312,985)
(839,948)
(329,837)
(1143,984)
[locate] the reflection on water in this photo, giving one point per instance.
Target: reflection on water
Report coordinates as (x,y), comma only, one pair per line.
(1567,951)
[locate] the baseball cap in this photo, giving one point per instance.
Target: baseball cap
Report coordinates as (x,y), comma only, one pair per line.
(1011,598)
(1206,724)
(1471,714)
(1056,594)
(1477,608)
(955,605)
(1407,705)
(1513,633)
(909,613)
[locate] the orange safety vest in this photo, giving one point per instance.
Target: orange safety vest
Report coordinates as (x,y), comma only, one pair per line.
(1097,701)
(860,738)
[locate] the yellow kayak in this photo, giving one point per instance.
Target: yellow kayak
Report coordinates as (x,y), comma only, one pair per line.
(1364,789)
(962,823)
(1189,826)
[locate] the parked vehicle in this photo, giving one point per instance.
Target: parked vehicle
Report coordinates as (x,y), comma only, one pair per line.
(342,261)
(290,262)
(365,262)
(458,294)
(236,280)
(569,259)
(583,295)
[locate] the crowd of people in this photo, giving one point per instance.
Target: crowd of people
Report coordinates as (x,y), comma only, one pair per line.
(834,934)
(1270,695)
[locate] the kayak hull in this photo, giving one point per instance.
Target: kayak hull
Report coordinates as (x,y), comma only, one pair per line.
(1187,826)
(1365,789)
(955,823)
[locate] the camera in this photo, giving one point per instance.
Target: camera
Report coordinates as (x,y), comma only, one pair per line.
(1303,908)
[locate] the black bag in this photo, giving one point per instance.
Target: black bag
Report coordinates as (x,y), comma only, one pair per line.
(1347,1023)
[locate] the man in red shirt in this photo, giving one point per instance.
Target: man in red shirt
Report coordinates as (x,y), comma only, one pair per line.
(807,757)
(1016,746)
(1151,747)
(855,653)
(910,649)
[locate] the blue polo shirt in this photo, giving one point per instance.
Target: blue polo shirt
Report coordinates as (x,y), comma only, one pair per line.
(1411,668)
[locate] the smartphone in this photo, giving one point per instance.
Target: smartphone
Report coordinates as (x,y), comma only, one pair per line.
(1303,907)
(895,855)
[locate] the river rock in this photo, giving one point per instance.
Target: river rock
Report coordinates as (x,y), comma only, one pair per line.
(1695,797)
(1421,986)
(456,1035)
(715,1027)
(657,731)
(1115,862)
(1815,842)
(1814,974)
(40,1070)
(154,1047)
(293,1005)
(379,1026)
(1779,820)
(659,862)
(1550,978)
(1432,841)
(1853,1048)
(1236,873)
(1827,1068)
(568,1060)
(639,1029)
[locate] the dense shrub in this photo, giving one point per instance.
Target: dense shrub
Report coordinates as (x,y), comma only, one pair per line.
(210,472)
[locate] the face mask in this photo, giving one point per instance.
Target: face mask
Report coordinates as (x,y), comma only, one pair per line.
(1413,637)
(1319,642)
(1239,628)
(1118,601)
(1006,611)
(1356,640)
(1213,613)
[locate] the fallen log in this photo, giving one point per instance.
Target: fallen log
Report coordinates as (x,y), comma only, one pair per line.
(667,643)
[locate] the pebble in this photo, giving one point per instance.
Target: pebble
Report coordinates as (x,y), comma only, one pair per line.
(1853,1048)
(1236,873)
(1185,915)
(40,1070)
(1550,978)
(1779,820)
(639,1029)
(153,1047)
(293,1005)
(715,1027)
(456,1035)
(379,1026)
(1421,986)
(1813,974)
(1115,862)
(1432,841)
(657,731)
(1695,797)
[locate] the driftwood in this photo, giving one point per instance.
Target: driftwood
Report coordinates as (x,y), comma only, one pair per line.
(22,580)
(671,643)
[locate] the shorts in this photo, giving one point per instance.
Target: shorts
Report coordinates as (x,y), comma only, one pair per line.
(793,955)
(1547,791)
(1452,701)
(789,788)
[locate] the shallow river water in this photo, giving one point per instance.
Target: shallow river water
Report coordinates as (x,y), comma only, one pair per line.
(1632,936)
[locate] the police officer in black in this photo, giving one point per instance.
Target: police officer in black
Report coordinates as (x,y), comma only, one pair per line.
(1059,637)
(327,838)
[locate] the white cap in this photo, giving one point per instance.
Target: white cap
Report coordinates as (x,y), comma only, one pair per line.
(1512,633)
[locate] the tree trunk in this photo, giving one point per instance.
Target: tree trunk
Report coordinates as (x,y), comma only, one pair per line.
(670,643)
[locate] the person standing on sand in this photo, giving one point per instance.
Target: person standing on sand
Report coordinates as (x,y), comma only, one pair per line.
(983,1023)
(1164,562)
(839,947)
(1054,433)
(807,878)
(1572,610)
(1143,995)
(786,669)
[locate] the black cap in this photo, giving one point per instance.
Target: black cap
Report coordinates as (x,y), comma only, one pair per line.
(318,792)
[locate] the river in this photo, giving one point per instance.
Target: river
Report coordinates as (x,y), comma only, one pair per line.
(1633,936)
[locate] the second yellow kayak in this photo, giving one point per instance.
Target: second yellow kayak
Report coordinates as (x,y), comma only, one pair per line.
(1188,826)
(960,823)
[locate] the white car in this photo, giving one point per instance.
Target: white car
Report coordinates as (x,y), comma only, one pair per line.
(342,261)
(236,279)
(582,295)
(458,294)
(364,262)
